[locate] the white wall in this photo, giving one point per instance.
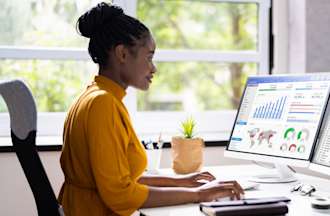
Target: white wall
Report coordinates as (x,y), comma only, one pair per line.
(301,31)
(317,36)
(281,33)
(16,198)
(15,195)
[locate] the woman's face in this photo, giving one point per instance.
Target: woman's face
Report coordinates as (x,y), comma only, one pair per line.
(139,68)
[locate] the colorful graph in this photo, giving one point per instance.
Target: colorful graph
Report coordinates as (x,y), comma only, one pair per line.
(270,110)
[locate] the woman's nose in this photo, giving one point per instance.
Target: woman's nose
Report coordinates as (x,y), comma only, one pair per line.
(154,68)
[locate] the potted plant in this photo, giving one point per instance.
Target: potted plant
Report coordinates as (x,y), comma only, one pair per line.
(187,150)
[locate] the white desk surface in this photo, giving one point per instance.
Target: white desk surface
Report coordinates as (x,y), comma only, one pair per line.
(299,205)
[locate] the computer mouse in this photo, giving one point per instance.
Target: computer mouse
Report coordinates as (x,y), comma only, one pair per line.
(247,185)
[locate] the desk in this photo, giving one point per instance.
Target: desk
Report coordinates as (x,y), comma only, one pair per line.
(299,205)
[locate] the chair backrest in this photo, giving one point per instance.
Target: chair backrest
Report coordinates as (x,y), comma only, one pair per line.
(23,124)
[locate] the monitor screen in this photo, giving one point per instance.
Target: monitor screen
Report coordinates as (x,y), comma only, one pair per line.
(280,115)
(321,155)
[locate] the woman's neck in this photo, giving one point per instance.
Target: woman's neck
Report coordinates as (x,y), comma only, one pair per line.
(114,75)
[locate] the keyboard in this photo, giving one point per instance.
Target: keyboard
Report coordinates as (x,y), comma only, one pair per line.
(247,185)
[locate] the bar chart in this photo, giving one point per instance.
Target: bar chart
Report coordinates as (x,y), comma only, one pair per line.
(270,110)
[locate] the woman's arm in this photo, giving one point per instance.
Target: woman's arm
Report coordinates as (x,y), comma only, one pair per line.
(163,196)
(190,180)
(160,181)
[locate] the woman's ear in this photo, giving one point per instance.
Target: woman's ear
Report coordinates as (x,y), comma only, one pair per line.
(120,52)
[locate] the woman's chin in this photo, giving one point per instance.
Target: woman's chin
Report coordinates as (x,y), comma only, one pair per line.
(144,87)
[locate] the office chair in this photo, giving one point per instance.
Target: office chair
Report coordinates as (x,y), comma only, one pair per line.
(23,123)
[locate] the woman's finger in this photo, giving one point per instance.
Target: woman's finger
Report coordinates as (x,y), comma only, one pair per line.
(235,192)
(232,196)
(235,183)
(206,173)
(204,176)
(230,186)
(226,193)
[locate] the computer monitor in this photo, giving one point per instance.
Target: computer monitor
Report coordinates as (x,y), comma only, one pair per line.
(278,121)
(321,156)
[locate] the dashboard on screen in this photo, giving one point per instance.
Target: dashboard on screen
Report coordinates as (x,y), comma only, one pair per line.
(280,115)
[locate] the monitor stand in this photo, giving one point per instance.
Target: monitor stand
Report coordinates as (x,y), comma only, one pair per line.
(284,175)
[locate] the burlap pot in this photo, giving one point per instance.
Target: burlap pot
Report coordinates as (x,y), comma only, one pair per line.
(187,154)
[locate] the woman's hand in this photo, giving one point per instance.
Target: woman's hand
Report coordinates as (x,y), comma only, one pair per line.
(219,189)
(195,179)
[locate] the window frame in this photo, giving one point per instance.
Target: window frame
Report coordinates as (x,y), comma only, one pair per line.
(165,122)
(150,124)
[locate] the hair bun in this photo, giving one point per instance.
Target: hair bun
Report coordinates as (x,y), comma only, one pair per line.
(94,19)
(112,11)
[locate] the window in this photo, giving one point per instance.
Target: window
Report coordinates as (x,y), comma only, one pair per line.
(205,51)
(39,44)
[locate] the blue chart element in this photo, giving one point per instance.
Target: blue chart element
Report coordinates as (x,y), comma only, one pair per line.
(270,110)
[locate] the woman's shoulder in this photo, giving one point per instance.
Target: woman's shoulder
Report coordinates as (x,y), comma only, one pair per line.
(100,98)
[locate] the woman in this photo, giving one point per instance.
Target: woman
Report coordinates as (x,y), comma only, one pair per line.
(102,158)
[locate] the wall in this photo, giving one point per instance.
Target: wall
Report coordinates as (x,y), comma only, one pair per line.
(16,197)
(301,36)
(318,36)
(297,36)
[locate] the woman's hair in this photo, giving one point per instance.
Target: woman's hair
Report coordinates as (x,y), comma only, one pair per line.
(107,26)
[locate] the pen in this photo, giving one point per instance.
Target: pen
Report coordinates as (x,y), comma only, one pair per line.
(160,141)
(147,145)
(150,145)
(144,144)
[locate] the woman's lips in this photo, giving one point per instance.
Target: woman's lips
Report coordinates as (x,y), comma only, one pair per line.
(149,78)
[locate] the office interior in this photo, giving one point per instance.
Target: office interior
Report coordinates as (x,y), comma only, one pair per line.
(300,43)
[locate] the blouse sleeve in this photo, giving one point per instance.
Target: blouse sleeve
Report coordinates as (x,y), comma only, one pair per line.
(108,140)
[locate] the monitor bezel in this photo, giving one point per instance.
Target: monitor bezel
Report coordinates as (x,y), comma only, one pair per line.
(276,158)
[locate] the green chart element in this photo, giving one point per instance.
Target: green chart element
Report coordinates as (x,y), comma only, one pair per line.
(287,131)
(301,132)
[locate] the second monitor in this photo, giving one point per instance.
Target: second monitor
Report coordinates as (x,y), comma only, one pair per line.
(321,157)
(278,121)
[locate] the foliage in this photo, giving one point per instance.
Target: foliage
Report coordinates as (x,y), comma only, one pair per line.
(13,19)
(54,84)
(206,25)
(188,86)
(188,127)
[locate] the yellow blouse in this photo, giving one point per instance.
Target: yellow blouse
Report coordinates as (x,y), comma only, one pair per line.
(102,157)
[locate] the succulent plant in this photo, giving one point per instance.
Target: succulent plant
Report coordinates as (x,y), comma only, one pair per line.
(188,127)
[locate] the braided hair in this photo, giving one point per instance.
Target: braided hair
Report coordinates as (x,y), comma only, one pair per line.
(108,26)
